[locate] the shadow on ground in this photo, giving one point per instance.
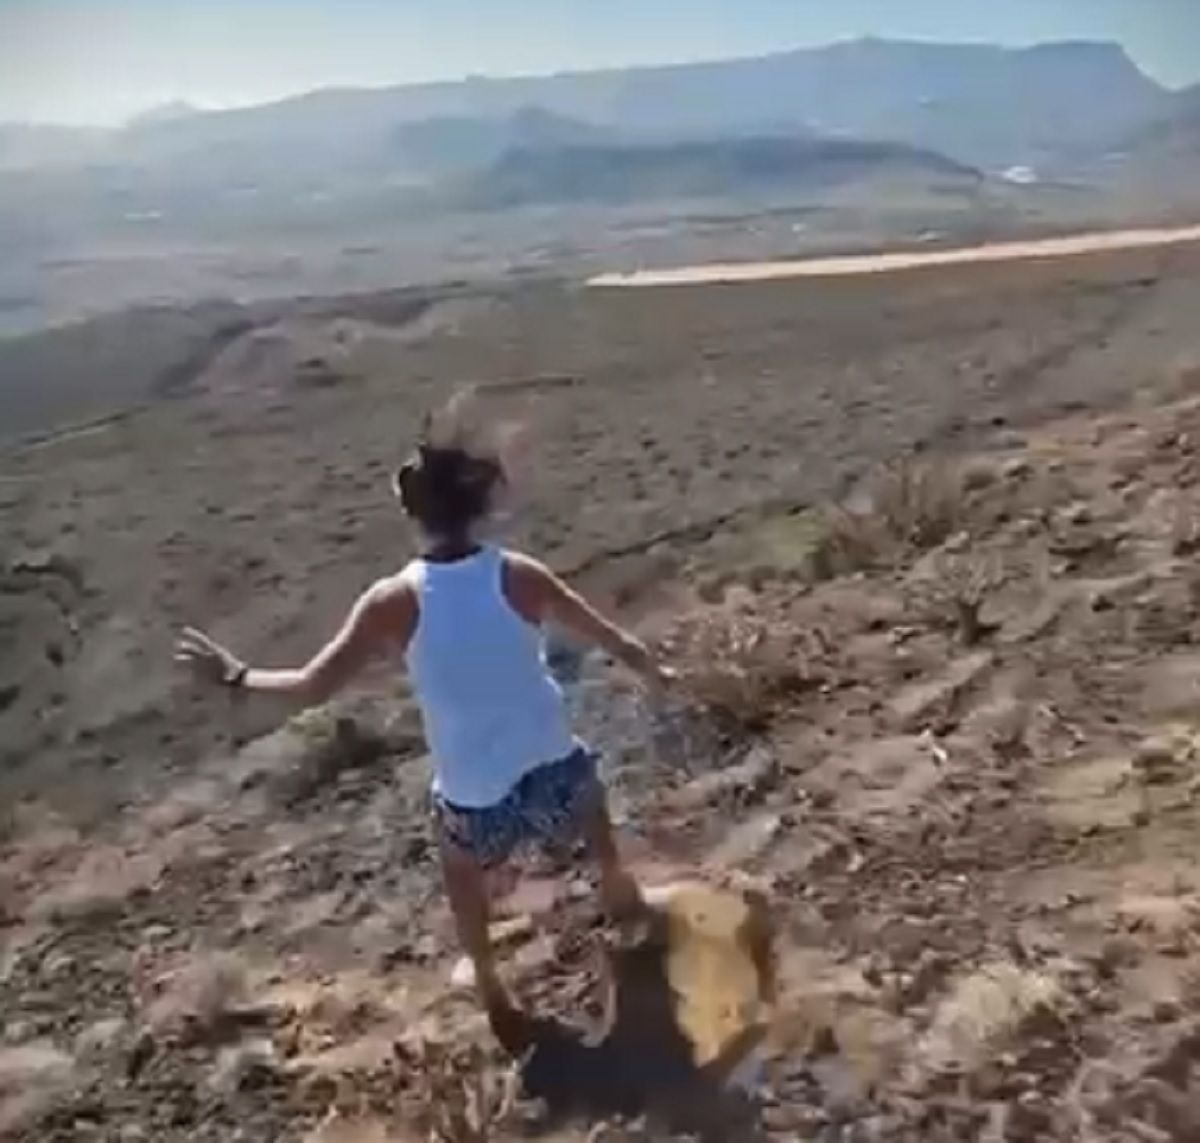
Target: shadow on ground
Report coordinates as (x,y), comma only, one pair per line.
(643,1060)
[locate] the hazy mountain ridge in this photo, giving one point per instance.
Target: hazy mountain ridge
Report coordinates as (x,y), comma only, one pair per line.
(30,146)
(1180,123)
(1049,108)
(979,104)
(456,143)
(619,173)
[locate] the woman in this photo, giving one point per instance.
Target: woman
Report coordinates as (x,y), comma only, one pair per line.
(469,618)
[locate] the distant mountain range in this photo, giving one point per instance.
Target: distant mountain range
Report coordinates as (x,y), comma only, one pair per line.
(980,104)
(804,118)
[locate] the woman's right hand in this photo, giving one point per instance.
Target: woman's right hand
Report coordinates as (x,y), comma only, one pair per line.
(208,661)
(658,678)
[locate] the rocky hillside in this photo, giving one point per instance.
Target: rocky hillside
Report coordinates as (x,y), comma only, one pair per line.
(947,728)
(923,545)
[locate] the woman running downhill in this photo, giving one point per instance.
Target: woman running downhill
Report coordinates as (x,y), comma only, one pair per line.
(469,619)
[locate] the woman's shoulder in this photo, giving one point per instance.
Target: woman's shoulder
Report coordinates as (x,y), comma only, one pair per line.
(400,587)
(403,575)
(521,562)
(524,584)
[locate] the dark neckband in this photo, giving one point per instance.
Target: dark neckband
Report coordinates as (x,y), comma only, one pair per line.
(451,553)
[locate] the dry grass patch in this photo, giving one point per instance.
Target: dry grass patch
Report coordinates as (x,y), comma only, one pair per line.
(825,1005)
(339,1011)
(1092,793)
(739,666)
(32,1078)
(321,747)
(986,1012)
(200,1002)
(326,745)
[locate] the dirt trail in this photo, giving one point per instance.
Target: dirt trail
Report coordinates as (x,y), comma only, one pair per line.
(1065,247)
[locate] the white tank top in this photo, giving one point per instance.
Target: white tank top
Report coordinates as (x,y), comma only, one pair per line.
(491,709)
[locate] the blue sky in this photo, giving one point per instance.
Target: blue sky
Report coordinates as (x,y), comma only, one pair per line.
(103,60)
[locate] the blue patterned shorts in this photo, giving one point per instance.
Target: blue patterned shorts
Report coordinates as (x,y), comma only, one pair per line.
(545,807)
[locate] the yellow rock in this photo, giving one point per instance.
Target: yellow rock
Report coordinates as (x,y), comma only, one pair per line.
(718,964)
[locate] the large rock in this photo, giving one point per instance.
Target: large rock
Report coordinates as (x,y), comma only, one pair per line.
(718,965)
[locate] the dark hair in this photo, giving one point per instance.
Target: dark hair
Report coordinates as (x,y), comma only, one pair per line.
(446,490)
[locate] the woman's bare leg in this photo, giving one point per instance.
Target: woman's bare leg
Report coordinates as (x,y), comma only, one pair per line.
(466,886)
(618,890)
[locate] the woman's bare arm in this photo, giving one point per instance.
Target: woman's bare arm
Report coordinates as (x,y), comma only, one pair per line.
(540,595)
(383,616)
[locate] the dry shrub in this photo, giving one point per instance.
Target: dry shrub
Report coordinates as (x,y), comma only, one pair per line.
(327,744)
(905,507)
(956,588)
(463,1096)
(200,1002)
(736,665)
(338,1010)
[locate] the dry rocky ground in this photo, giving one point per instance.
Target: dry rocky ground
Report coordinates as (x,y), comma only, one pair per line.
(940,710)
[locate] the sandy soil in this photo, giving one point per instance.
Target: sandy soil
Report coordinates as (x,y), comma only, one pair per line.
(948,729)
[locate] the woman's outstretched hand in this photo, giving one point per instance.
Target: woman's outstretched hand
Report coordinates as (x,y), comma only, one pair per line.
(658,678)
(663,679)
(208,661)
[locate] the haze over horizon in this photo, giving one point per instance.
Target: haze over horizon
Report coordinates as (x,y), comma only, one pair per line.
(102,62)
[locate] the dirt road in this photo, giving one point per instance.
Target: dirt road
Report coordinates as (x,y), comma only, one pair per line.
(1068,246)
